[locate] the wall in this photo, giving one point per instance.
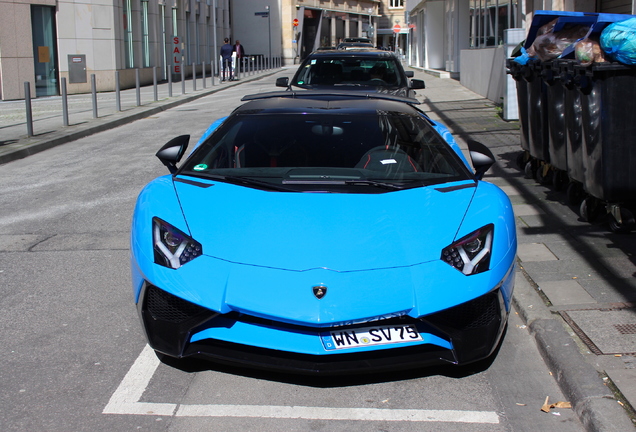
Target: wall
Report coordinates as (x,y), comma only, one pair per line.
(16,47)
(253,31)
(434,19)
(483,71)
(95,28)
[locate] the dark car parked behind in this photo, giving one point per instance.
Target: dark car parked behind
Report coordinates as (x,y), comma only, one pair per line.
(376,70)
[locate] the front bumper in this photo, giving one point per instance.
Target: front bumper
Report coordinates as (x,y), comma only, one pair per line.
(178,328)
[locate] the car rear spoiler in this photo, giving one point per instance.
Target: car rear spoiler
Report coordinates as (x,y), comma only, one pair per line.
(341,94)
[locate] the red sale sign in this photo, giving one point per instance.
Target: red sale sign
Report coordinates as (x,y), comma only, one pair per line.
(176,54)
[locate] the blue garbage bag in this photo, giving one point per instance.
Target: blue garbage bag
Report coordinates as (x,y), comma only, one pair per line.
(523,58)
(618,41)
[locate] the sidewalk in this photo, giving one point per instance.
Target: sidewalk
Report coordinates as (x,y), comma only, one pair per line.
(576,285)
(48,123)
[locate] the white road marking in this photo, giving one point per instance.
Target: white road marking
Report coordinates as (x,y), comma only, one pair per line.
(125,400)
(322,413)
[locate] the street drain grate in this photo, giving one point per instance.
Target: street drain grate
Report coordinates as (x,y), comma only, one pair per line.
(626,329)
(604,331)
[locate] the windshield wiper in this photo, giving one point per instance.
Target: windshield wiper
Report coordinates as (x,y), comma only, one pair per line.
(376,183)
(248,182)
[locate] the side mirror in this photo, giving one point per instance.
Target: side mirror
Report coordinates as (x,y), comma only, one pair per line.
(481,157)
(173,151)
(417,84)
(282,82)
(409,73)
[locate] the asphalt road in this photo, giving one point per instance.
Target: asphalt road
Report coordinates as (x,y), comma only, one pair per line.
(74,356)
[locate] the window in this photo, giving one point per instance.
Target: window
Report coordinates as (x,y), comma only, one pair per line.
(327,152)
(396,3)
(44,50)
(145,45)
(489,19)
(128,34)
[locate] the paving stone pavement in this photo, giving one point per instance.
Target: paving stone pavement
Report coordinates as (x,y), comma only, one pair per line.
(576,284)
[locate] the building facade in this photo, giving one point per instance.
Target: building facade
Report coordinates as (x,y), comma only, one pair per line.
(394,26)
(471,39)
(296,28)
(43,41)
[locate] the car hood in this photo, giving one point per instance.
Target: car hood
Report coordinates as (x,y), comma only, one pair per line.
(339,232)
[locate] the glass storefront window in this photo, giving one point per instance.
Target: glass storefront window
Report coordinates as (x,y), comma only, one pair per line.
(44,50)
(489,19)
(128,34)
(145,43)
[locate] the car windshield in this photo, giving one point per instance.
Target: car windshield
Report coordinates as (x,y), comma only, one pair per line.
(360,153)
(350,71)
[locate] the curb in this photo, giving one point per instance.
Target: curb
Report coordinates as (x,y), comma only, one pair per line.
(32,145)
(592,401)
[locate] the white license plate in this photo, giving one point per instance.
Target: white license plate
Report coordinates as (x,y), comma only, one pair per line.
(369,336)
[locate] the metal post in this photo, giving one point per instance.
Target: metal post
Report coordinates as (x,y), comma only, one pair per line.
(203,72)
(269,33)
(138,86)
(182,80)
(29,112)
(212,70)
(170,81)
(194,77)
(154,82)
(64,103)
(215,55)
(94,93)
(117,92)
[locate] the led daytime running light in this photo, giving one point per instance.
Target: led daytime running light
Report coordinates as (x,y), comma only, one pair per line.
(471,254)
(173,248)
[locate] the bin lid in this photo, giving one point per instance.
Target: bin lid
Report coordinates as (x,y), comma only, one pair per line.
(542,17)
(602,21)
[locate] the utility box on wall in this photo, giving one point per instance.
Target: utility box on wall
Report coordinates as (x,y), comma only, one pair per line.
(76,68)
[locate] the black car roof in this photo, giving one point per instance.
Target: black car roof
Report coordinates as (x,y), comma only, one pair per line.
(359,53)
(310,101)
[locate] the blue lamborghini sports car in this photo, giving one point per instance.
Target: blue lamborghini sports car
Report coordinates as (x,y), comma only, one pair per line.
(324,233)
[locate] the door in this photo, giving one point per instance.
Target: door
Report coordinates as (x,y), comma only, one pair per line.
(44,50)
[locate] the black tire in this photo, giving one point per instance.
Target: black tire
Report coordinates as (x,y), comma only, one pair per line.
(590,209)
(627,225)
(574,194)
(529,170)
(521,160)
(545,174)
(559,180)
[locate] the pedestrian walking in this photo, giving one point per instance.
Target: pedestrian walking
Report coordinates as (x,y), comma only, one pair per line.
(226,60)
(239,50)
(239,53)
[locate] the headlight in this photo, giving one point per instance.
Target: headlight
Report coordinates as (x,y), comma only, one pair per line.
(173,248)
(471,254)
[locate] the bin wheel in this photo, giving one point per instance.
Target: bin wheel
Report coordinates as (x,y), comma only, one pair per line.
(521,160)
(559,179)
(529,170)
(590,210)
(574,193)
(627,224)
(544,174)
